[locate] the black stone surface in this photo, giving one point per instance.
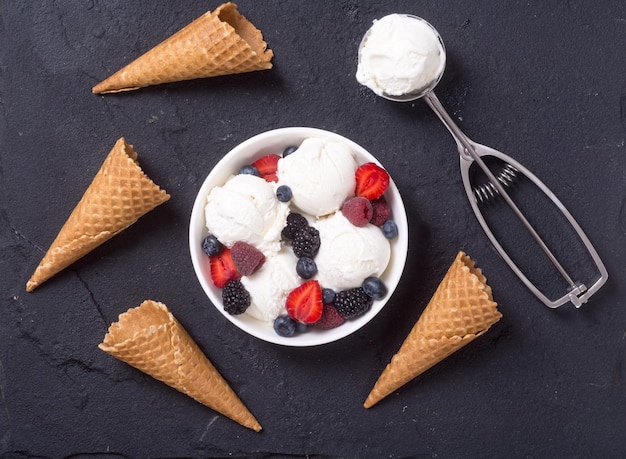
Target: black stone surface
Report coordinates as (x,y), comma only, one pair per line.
(542,81)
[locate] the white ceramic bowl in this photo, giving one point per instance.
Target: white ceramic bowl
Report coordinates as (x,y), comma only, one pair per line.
(276,141)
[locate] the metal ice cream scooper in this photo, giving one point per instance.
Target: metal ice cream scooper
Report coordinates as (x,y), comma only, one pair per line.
(402,58)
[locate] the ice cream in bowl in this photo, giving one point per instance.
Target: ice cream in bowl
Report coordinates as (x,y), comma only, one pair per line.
(298,236)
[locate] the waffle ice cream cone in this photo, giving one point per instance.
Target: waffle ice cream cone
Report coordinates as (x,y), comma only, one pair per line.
(119,194)
(461,310)
(221,42)
(150,339)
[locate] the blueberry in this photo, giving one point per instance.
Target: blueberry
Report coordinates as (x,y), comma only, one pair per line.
(374,287)
(211,246)
(306,267)
(289,150)
(390,229)
(285,326)
(250,169)
(300,327)
(283,193)
(328,295)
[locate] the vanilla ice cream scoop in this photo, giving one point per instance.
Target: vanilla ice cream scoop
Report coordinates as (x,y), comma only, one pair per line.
(348,254)
(270,286)
(246,209)
(320,174)
(400,55)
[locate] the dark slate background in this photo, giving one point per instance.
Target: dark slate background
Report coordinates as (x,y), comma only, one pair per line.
(542,81)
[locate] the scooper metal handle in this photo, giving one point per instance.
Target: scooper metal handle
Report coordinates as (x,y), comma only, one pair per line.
(471,152)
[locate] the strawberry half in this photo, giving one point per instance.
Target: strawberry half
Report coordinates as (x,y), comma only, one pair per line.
(267,166)
(223,268)
(371,181)
(304,303)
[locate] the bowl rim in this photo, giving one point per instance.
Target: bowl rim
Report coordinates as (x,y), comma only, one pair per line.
(269,142)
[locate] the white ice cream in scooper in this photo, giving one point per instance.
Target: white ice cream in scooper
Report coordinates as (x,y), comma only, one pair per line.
(402,58)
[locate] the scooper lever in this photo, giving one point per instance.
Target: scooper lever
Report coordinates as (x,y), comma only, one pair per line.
(472,152)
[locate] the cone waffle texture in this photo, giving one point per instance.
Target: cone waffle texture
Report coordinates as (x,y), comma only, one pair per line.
(221,42)
(461,309)
(150,339)
(119,194)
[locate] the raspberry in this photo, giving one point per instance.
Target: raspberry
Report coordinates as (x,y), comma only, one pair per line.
(247,259)
(357,210)
(330,318)
(353,302)
(235,297)
(306,243)
(381,211)
(295,222)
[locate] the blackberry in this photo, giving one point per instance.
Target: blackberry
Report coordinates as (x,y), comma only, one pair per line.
(295,222)
(235,297)
(306,242)
(353,302)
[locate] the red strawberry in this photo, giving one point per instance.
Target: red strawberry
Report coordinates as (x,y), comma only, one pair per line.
(247,258)
(371,181)
(304,303)
(267,166)
(223,269)
(330,318)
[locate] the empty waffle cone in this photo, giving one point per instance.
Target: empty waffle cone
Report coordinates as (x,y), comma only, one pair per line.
(461,309)
(150,339)
(221,42)
(119,194)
